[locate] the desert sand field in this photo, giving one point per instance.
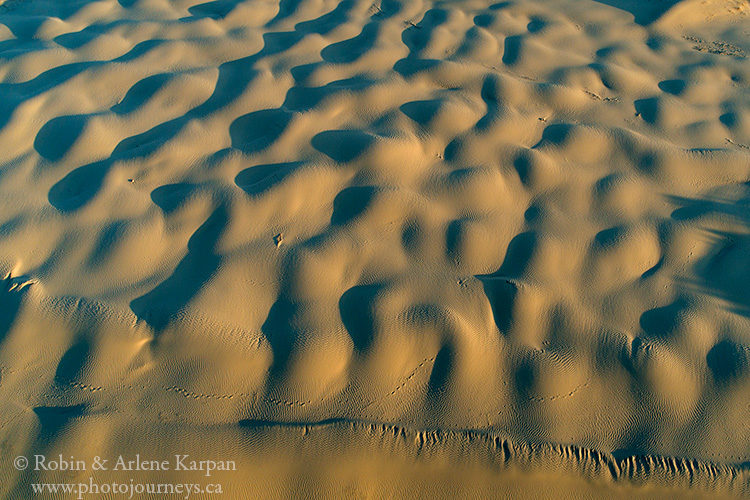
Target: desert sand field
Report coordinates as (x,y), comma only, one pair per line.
(401,249)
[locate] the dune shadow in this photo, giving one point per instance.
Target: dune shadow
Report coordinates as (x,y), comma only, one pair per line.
(58,135)
(261,178)
(501,287)
(301,98)
(512,49)
(77,39)
(287,8)
(256,131)
(79,187)
(356,307)
(442,369)
(422,112)
(148,142)
(52,419)
(255,424)
(342,145)
(555,134)
(348,51)
(25,19)
(281,331)
(536,24)
(493,99)
(661,322)
(140,93)
(518,256)
(350,203)
(218,9)
(417,38)
(327,22)
(724,270)
(728,361)
(648,109)
(172,196)
(10,49)
(644,13)
(12,292)
(411,66)
(674,87)
(73,362)
(162,304)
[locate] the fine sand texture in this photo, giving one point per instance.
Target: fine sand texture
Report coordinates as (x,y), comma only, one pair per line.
(409,248)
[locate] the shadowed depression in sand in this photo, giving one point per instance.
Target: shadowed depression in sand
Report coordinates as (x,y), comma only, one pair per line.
(409,247)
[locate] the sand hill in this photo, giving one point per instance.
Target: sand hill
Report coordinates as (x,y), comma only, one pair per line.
(424,248)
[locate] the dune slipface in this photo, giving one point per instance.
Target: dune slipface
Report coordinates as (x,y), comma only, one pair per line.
(323,248)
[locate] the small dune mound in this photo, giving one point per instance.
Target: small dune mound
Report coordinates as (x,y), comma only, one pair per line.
(666,378)
(620,255)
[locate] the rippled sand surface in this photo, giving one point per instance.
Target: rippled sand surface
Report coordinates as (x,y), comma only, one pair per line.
(403,248)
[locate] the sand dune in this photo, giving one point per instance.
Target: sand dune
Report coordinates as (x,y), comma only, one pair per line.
(417,247)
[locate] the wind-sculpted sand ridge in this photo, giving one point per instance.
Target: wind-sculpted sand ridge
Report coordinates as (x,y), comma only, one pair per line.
(298,459)
(522,220)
